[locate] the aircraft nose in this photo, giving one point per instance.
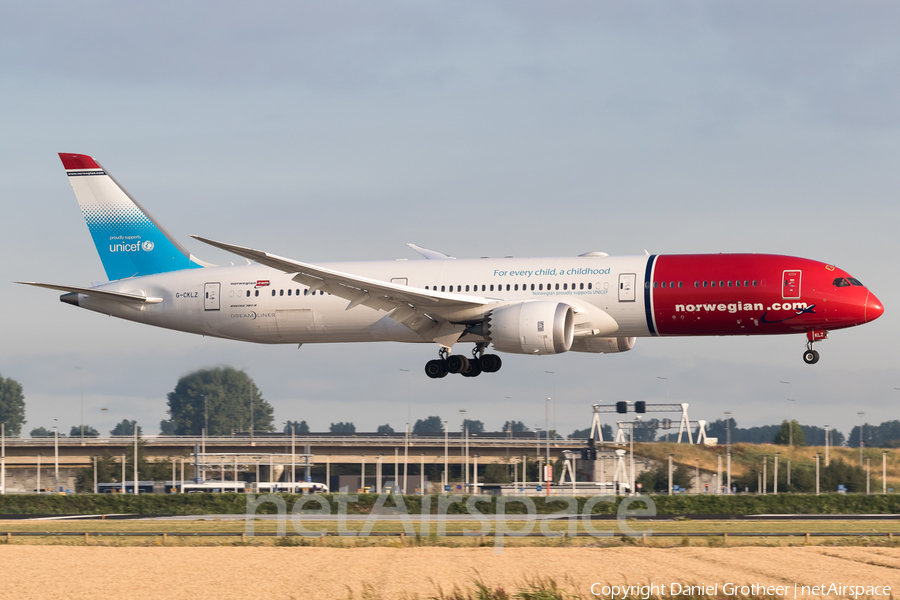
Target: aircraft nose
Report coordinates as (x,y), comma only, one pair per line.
(874,308)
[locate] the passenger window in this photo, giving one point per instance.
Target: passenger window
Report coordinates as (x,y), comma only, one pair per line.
(746,283)
(754,283)
(273,292)
(737,283)
(289,292)
(557,286)
(729,284)
(712,284)
(459,288)
(705,283)
(442,288)
(467,288)
(507,287)
(532,287)
(663,285)
(590,285)
(655,284)
(540,286)
(680,284)
(565,286)
(257,293)
(580,286)
(492,287)
(517,287)
(482,287)
(696,284)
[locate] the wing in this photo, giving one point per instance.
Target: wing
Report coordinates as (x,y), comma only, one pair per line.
(426,312)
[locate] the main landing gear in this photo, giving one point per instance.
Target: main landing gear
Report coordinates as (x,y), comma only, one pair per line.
(467,367)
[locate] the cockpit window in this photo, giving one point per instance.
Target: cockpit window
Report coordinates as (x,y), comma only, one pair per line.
(855,282)
(841,282)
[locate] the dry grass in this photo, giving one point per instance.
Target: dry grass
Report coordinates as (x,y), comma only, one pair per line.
(417,573)
(744,455)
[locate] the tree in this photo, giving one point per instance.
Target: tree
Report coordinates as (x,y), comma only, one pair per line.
(583,434)
(516,426)
(299,427)
(222,396)
(385,429)
(41,432)
(430,425)
(88,431)
(12,405)
(341,427)
(126,427)
(657,480)
(167,427)
(790,433)
(474,426)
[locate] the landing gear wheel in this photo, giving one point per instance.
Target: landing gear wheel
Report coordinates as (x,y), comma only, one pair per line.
(475,368)
(811,357)
(491,363)
(436,368)
(457,363)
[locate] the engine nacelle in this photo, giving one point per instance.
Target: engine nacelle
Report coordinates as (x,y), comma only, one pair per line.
(531,328)
(603,345)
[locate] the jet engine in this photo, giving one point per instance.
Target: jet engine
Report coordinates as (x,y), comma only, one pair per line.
(531,328)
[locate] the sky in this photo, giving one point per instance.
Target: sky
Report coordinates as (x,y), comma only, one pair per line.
(344,130)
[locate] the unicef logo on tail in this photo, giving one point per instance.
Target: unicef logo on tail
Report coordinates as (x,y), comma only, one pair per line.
(147,246)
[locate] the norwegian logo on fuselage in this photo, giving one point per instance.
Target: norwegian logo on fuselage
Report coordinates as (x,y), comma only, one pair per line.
(262,283)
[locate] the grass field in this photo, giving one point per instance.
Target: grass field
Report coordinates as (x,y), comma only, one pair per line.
(657,533)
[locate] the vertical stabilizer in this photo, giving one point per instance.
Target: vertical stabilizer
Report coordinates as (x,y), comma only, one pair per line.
(129,240)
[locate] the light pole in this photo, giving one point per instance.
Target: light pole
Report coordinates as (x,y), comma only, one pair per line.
(136,458)
(775,486)
(728,448)
(826,445)
(670,473)
(554,398)
(447,459)
(464,467)
(81,376)
(547,428)
(55,456)
(861,414)
(666,379)
(884,472)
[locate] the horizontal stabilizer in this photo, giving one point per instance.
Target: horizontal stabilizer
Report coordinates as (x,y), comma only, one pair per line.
(108,294)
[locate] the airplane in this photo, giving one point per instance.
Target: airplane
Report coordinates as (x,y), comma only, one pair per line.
(592,303)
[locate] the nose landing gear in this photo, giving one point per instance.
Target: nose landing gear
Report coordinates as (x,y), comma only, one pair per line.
(811,357)
(467,367)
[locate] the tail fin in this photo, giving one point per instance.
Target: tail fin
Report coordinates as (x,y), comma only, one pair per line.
(129,240)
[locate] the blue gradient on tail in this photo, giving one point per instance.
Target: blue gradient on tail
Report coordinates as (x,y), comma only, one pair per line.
(130,243)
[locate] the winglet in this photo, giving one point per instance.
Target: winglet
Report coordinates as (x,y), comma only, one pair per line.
(431,254)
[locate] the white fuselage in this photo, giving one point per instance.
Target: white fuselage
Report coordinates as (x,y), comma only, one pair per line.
(235,302)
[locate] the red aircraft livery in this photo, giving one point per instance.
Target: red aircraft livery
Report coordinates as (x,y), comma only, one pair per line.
(747,294)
